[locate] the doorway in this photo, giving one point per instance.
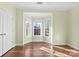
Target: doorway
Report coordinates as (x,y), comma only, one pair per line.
(37,30)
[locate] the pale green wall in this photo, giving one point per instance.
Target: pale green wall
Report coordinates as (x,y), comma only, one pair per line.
(73,33)
(19,27)
(59,25)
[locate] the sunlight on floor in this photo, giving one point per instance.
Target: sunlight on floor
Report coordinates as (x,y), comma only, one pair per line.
(54,52)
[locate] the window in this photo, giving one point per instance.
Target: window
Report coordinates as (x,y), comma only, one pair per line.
(27,28)
(46,27)
(37,28)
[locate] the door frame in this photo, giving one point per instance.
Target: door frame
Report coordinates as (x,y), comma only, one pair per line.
(44,13)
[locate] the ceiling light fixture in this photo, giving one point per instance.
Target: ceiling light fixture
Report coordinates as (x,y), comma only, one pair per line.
(39,2)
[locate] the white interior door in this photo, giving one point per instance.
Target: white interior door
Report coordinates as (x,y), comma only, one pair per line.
(5,31)
(9,31)
(0,34)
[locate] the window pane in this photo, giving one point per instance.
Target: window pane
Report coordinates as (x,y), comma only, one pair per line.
(37,28)
(27,28)
(46,28)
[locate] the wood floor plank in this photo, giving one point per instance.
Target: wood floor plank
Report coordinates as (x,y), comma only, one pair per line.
(33,50)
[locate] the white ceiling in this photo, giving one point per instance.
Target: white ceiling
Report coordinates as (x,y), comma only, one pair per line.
(49,6)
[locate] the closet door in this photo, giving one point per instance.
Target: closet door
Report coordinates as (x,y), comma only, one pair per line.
(0,35)
(5,31)
(10,31)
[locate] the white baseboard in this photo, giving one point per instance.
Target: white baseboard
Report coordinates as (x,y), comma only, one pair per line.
(18,44)
(75,47)
(37,41)
(59,43)
(27,42)
(56,43)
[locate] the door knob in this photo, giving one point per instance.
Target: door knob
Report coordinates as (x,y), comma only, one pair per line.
(3,34)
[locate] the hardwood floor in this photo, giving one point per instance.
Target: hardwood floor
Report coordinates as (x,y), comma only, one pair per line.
(33,50)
